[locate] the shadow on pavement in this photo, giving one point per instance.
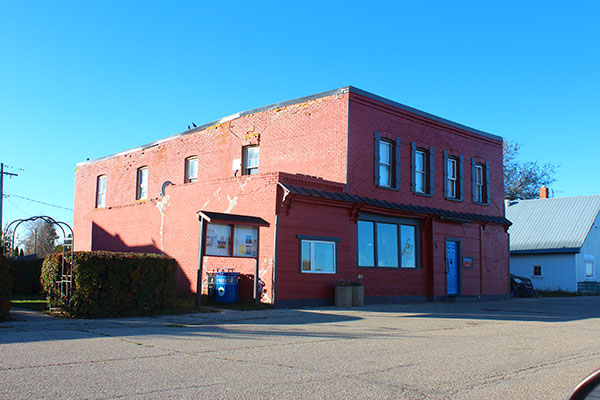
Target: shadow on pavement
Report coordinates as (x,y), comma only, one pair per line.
(31,326)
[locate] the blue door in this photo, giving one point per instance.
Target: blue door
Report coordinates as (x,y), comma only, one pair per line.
(451,267)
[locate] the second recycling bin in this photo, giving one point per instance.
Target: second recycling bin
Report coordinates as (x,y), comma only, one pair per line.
(227,286)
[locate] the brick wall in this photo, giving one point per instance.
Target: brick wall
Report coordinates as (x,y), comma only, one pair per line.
(304,144)
(368,116)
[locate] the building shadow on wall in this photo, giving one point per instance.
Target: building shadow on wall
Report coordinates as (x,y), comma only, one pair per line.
(105,241)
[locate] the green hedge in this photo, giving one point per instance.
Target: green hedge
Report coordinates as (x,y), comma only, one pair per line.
(5,283)
(109,284)
(26,276)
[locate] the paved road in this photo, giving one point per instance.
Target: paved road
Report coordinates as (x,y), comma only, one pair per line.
(514,349)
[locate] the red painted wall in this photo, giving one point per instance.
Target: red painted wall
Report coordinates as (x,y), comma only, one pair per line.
(368,116)
(329,138)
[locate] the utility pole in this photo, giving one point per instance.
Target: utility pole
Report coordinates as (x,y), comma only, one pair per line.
(2,173)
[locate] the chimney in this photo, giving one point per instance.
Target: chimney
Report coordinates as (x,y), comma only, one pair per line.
(543,192)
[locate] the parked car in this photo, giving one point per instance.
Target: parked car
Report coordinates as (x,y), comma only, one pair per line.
(521,287)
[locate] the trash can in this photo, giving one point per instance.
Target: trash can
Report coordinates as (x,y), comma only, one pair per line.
(227,286)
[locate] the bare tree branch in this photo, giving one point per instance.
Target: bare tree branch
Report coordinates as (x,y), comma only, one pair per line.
(522,180)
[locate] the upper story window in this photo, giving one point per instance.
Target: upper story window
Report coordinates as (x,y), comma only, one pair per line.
(422,170)
(250,159)
(453,177)
(387,243)
(191,169)
(101,191)
(387,162)
(481,187)
(142,183)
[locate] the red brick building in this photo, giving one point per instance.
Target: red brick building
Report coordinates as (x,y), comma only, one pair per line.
(311,190)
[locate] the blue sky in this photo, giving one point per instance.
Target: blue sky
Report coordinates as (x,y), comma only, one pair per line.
(87,79)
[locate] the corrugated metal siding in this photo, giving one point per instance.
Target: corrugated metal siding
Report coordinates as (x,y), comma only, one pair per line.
(558,270)
(546,224)
(591,247)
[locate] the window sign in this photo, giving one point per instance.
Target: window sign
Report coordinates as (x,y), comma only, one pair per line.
(407,236)
(245,238)
(218,240)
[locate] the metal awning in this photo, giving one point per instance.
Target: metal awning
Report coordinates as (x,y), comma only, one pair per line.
(215,217)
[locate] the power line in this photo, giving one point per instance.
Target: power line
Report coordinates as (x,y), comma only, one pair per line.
(37,201)
(15,206)
(37,173)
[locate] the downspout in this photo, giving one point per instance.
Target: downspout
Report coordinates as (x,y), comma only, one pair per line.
(348,145)
(200,261)
(480,260)
(275,259)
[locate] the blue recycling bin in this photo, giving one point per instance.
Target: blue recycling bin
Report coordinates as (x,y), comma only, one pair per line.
(227,286)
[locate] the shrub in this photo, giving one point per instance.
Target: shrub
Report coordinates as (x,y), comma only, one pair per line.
(5,283)
(26,276)
(108,284)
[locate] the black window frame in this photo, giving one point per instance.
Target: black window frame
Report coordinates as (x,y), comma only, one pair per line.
(399,222)
(395,162)
(485,201)
(429,164)
(537,268)
(460,187)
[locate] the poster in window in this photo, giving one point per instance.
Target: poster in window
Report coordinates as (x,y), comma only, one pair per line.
(407,235)
(218,240)
(245,238)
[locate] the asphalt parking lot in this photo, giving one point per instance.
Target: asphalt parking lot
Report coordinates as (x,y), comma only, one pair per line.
(513,349)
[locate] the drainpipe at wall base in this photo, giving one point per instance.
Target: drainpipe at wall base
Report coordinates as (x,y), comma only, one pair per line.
(274,283)
(480,260)
(200,261)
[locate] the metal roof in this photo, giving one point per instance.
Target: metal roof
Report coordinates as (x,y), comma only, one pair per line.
(551,225)
(216,217)
(351,198)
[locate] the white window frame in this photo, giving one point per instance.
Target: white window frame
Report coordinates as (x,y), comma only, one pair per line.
(142,183)
(101,191)
(479,183)
(420,173)
(387,165)
(251,157)
(588,259)
(312,243)
(452,178)
(191,169)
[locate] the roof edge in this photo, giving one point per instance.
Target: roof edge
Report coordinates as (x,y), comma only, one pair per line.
(423,113)
(269,107)
(222,120)
(547,251)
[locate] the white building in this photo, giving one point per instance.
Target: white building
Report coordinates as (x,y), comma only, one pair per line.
(556,242)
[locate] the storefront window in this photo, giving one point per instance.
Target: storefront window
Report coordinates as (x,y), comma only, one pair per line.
(392,243)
